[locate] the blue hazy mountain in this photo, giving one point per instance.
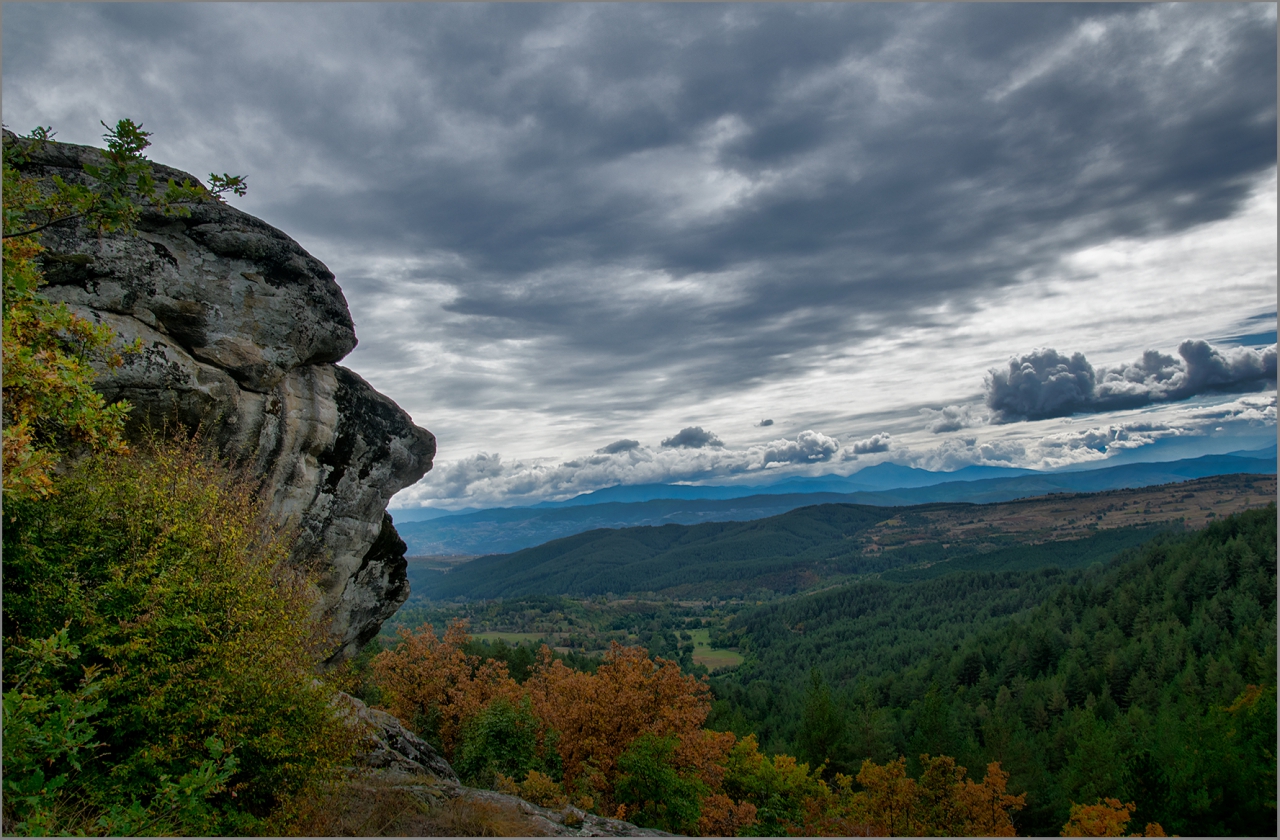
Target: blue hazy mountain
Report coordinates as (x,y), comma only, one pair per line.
(504,530)
(884,476)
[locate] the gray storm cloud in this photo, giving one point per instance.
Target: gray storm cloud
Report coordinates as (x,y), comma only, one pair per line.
(1046,383)
(758,178)
(619,446)
(692,437)
(662,204)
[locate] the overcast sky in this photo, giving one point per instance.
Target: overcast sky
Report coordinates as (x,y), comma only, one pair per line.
(597,244)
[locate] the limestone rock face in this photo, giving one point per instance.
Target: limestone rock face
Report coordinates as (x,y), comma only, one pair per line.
(240,329)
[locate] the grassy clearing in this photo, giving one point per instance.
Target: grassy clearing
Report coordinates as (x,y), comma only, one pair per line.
(704,654)
(509,638)
(439,562)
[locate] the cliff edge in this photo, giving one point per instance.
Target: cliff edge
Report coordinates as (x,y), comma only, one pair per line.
(241,329)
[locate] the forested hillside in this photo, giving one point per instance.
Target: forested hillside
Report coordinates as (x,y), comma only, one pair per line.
(1150,678)
(505,530)
(1133,690)
(827,544)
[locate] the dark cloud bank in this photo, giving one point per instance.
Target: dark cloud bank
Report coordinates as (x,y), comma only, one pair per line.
(710,191)
(1046,383)
(693,437)
(619,446)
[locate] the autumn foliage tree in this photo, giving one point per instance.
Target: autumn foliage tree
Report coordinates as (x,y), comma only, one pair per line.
(629,741)
(611,738)
(432,684)
(1105,818)
(891,803)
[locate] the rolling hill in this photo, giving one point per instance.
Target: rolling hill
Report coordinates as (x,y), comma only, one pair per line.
(818,544)
(505,530)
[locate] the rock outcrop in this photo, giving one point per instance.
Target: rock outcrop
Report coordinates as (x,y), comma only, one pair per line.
(391,746)
(404,760)
(240,331)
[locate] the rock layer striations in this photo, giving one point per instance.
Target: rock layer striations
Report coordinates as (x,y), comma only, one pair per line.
(240,331)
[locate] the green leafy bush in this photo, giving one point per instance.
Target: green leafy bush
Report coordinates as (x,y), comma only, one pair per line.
(502,738)
(161,571)
(654,793)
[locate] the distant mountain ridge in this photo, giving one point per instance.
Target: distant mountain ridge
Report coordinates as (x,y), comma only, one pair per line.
(886,476)
(822,544)
(504,530)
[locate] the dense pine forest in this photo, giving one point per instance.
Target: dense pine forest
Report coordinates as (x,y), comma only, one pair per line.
(1150,678)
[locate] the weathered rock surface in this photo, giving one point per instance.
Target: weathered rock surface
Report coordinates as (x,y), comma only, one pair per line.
(391,746)
(240,329)
(564,822)
(392,751)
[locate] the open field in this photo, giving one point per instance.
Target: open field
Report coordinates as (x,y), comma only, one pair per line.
(439,562)
(712,658)
(1064,517)
(510,638)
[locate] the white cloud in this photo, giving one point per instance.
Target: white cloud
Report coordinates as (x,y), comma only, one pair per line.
(878,442)
(1046,383)
(953,418)
(808,447)
(486,479)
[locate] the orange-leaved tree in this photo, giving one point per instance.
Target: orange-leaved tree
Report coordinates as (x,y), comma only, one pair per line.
(611,738)
(597,716)
(1105,818)
(432,684)
(941,802)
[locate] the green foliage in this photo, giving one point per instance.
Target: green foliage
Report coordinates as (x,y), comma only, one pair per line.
(519,658)
(47,734)
(502,738)
(1149,678)
(777,786)
(47,740)
(822,726)
(781,554)
(160,569)
(655,793)
(117,190)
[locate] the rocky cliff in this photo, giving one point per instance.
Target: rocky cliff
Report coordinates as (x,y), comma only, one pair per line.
(241,329)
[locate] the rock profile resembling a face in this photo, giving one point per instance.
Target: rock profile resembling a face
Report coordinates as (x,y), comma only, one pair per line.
(241,330)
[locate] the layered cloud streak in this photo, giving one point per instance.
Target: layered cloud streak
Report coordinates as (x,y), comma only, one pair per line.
(486,479)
